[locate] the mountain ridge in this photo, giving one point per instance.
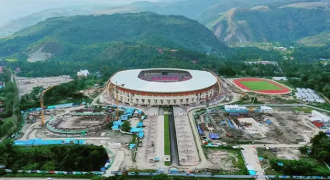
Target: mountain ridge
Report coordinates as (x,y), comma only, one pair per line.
(271,24)
(76,33)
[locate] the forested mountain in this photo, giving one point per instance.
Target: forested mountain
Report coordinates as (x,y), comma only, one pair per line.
(205,11)
(68,35)
(201,10)
(273,23)
(13,26)
(119,40)
(321,39)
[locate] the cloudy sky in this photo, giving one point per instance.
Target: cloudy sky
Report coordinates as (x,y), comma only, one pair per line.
(12,9)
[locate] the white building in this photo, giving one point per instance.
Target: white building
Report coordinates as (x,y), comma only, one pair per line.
(280,78)
(308,95)
(321,116)
(299,90)
(266,109)
(304,90)
(310,91)
(83,73)
(235,108)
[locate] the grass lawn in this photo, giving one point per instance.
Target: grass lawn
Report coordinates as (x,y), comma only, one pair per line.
(11,60)
(260,85)
(304,109)
(167,149)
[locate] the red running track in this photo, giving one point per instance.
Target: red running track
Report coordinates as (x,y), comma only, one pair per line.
(283,90)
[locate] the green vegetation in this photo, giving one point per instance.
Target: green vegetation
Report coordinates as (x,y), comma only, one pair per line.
(304,109)
(167,142)
(134,139)
(308,74)
(126,126)
(66,37)
(267,155)
(321,39)
(11,60)
(10,104)
(52,157)
(287,24)
(310,165)
(73,176)
(260,85)
(157,177)
(166,135)
(238,162)
(6,126)
(7,94)
(303,167)
(325,106)
(320,147)
(237,68)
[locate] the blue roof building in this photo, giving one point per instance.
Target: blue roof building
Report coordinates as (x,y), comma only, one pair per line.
(124,117)
(141,135)
(136,130)
(140,124)
(115,127)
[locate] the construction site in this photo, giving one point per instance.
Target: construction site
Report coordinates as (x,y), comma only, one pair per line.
(210,139)
(72,120)
(25,84)
(253,124)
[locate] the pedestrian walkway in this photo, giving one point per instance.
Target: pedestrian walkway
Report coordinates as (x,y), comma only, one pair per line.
(251,159)
(116,163)
(160,140)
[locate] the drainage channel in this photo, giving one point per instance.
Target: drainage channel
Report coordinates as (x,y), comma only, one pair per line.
(174,145)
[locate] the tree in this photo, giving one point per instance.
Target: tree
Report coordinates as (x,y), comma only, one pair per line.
(321,146)
(303,149)
(126,126)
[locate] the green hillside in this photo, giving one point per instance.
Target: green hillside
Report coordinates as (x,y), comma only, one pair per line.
(321,39)
(15,25)
(83,32)
(116,41)
(275,24)
(205,11)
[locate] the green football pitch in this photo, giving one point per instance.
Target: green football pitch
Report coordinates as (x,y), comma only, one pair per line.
(260,85)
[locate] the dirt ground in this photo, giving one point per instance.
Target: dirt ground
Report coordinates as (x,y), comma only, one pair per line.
(80,121)
(222,159)
(287,126)
(26,84)
(290,127)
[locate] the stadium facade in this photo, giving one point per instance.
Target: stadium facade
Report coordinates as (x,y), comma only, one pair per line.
(163,86)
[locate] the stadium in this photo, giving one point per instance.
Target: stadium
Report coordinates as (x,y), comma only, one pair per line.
(163,86)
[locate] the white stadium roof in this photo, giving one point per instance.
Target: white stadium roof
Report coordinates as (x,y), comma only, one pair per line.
(200,80)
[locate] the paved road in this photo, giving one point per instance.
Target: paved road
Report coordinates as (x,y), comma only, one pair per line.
(173,145)
(276,145)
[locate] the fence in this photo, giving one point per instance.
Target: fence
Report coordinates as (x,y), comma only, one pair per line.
(56,172)
(225,176)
